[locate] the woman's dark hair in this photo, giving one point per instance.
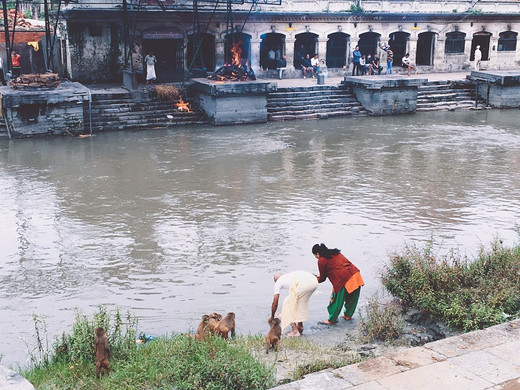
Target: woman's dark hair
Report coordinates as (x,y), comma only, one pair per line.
(323,251)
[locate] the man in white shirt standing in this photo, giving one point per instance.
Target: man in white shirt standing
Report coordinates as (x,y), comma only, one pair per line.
(301,285)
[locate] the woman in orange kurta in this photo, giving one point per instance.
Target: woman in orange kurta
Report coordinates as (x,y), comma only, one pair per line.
(345,278)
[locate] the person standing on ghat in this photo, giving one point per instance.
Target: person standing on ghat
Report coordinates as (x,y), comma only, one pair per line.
(389,58)
(16,61)
(345,278)
(356,56)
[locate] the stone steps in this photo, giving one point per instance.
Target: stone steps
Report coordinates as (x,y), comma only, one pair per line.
(450,96)
(120,111)
(319,101)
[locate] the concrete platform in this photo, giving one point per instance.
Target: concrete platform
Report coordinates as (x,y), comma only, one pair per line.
(480,360)
(500,89)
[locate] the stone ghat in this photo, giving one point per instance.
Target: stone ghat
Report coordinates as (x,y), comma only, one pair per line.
(480,360)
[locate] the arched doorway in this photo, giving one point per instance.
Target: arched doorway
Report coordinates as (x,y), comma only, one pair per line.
(368,42)
(243,41)
(201,52)
(304,44)
(168,48)
(337,47)
(272,48)
(481,38)
(425,48)
(398,44)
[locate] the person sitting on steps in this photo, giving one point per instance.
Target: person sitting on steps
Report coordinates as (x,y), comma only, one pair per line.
(306,66)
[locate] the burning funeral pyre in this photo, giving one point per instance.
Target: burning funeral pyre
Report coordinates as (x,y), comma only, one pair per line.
(238,70)
(182,106)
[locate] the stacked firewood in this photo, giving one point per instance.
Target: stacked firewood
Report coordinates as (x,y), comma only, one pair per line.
(36,80)
(20,19)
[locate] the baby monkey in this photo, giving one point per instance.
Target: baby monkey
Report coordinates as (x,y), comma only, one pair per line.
(102,352)
(273,336)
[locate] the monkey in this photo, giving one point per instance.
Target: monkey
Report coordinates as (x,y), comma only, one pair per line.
(273,336)
(214,318)
(102,352)
(226,325)
(204,328)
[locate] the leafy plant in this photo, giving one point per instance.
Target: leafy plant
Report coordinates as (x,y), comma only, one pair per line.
(461,291)
(382,321)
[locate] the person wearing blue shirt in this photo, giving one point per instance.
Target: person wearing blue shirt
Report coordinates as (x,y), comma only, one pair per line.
(356,55)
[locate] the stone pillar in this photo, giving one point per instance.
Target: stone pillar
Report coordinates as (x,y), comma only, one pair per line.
(493,54)
(289,53)
(255,54)
(322,48)
(186,61)
(220,55)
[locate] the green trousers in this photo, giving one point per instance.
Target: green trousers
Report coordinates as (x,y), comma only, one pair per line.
(337,300)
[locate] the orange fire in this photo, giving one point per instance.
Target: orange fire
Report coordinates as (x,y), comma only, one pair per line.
(236,52)
(182,106)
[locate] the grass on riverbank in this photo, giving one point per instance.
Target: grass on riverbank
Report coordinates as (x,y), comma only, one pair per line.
(178,361)
(466,293)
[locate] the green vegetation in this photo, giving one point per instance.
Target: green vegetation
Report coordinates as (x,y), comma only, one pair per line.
(467,294)
(356,7)
(383,322)
(179,361)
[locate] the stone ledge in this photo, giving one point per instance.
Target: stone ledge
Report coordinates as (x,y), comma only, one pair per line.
(11,380)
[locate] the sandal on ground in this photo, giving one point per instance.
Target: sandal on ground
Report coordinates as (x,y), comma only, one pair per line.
(327,322)
(346,318)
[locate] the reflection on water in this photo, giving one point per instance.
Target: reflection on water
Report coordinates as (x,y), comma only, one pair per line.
(176,223)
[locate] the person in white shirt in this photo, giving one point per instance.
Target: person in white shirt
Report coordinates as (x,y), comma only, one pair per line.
(301,285)
(406,63)
(315,62)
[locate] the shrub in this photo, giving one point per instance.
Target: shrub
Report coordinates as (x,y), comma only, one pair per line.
(462,292)
(382,322)
(168,93)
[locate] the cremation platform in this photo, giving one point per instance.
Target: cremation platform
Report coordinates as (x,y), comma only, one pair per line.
(386,95)
(232,102)
(500,88)
(43,110)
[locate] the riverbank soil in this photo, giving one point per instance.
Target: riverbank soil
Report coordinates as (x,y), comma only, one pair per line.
(341,344)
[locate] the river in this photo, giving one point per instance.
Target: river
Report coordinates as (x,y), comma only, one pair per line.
(176,223)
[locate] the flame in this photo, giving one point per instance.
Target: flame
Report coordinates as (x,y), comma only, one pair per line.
(182,106)
(236,52)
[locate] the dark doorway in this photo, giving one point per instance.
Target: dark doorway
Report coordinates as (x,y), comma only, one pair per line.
(425,48)
(32,61)
(368,42)
(304,44)
(203,50)
(482,39)
(272,48)
(398,44)
(170,58)
(337,47)
(243,43)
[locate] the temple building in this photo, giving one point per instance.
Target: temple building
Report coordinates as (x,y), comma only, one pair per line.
(100,40)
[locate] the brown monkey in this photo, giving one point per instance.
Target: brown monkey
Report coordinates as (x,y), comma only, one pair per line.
(226,325)
(203,329)
(273,336)
(102,352)
(214,318)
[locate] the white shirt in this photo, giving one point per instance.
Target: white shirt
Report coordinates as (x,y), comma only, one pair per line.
(315,61)
(283,282)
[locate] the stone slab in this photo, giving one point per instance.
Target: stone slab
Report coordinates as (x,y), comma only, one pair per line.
(443,375)
(388,81)
(11,380)
(325,380)
(232,88)
(369,370)
(488,366)
(509,351)
(369,386)
(67,92)
(416,357)
(501,77)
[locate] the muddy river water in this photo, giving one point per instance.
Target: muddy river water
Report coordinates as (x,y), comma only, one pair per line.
(176,223)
